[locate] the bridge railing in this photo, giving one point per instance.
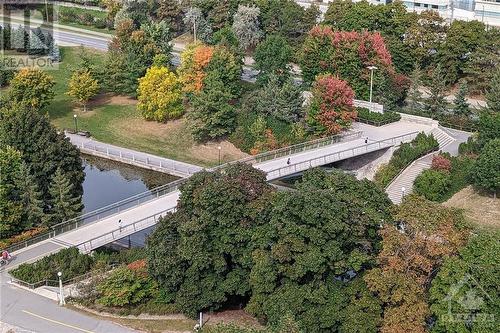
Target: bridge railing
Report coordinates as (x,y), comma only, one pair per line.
(122,232)
(339,155)
(159,164)
(100,213)
(157,192)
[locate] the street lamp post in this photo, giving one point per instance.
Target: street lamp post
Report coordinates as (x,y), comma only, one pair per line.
(219,153)
(371,68)
(61,291)
(403,190)
(76,123)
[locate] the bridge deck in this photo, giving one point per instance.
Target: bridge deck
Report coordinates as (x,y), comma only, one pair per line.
(106,230)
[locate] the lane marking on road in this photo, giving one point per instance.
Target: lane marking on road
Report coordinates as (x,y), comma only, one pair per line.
(57,322)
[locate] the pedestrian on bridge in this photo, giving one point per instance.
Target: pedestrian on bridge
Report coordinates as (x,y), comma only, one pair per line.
(120,224)
(288,161)
(366,140)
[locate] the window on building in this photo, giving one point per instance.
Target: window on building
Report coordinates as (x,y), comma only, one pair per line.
(434,6)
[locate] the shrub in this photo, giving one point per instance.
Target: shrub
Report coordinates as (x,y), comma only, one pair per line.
(404,155)
(70,262)
(125,286)
(432,184)
(376,118)
(441,163)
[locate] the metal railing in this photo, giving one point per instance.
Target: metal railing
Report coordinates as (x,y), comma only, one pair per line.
(100,213)
(339,155)
(157,163)
(126,230)
(157,192)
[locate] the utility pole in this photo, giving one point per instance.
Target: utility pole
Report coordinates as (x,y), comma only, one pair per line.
(371,68)
(62,302)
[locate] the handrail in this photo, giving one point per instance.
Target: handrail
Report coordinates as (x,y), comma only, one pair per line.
(137,199)
(122,232)
(326,158)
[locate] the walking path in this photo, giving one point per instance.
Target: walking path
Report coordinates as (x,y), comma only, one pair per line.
(133,157)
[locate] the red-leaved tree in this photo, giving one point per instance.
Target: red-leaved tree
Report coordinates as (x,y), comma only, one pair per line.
(331,109)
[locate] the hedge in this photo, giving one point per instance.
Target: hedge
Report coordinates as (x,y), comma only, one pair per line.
(404,155)
(376,118)
(72,264)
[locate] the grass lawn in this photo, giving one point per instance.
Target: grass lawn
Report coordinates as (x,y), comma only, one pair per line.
(115,120)
(480,209)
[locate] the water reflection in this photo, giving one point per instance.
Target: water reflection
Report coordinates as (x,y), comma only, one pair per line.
(107,181)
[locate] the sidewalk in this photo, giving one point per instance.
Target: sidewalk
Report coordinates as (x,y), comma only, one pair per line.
(133,157)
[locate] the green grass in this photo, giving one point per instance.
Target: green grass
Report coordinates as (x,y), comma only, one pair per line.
(81,11)
(116,121)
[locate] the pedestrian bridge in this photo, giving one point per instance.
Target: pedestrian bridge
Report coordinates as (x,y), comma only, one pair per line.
(100,227)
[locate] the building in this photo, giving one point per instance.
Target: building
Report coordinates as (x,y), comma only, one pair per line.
(488,11)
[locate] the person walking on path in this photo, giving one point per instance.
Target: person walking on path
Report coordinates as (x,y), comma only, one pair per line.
(120,224)
(366,140)
(288,161)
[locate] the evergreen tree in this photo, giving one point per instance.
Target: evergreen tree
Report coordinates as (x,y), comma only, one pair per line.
(194,18)
(10,208)
(246,26)
(493,93)
(272,56)
(37,44)
(436,102)
(30,197)
(212,116)
(414,99)
(461,107)
(64,205)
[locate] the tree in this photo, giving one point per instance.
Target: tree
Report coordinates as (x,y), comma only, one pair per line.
(10,207)
(281,100)
(201,254)
(246,26)
(160,95)
(436,103)
(226,37)
(82,86)
(488,128)
(331,109)
(311,243)
(486,171)
(493,93)
(273,56)
(30,198)
(412,250)
(225,67)
(482,64)
(464,293)
(63,204)
(32,87)
(212,116)
(44,149)
(432,184)
(170,12)
(192,70)
(462,38)
(414,99)
(159,34)
(201,28)
(461,107)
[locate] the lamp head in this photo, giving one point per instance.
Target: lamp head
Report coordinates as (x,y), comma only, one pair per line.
(372,67)
(74,115)
(59,274)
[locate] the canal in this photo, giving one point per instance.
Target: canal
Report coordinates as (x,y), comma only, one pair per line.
(107,182)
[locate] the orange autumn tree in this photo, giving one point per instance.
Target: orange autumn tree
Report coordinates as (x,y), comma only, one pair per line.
(411,253)
(332,105)
(194,61)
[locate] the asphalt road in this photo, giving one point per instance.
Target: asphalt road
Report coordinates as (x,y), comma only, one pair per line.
(25,311)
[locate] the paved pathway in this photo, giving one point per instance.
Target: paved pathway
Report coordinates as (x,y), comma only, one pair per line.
(133,157)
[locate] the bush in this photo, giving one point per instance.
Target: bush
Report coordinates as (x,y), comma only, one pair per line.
(441,163)
(126,286)
(70,262)
(404,155)
(375,118)
(432,184)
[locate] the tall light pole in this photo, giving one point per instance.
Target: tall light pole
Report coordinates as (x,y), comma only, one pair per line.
(403,190)
(76,123)
(371,68)
(61,291)
(219,152)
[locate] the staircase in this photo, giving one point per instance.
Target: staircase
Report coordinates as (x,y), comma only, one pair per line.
(406,178)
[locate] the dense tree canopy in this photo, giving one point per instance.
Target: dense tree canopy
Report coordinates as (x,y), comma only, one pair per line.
(43,149)
(486,171)
(31,88)
(464,294)
(425,234)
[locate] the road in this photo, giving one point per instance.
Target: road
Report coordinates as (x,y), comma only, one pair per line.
(25,311)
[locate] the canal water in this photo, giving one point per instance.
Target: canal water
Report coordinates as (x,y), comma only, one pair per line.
(107,182)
